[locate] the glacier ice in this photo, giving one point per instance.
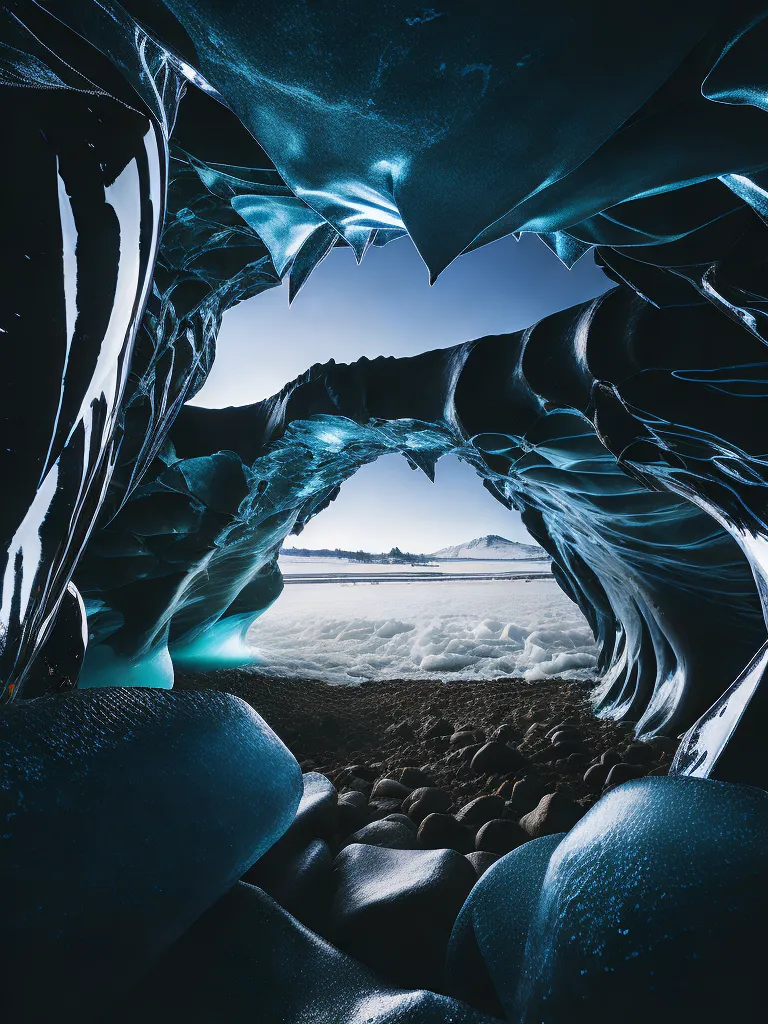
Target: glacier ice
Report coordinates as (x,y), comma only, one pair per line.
(168,159)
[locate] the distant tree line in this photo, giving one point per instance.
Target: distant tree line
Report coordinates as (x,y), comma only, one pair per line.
(394,555)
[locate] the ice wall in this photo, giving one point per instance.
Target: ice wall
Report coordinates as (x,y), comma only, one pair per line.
(259,145)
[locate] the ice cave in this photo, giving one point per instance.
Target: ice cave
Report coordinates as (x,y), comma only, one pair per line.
(162,848)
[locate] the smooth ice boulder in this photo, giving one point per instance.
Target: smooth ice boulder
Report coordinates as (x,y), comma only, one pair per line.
(652,908)
(248,960)
(394,909)
(496,915)
(126,814)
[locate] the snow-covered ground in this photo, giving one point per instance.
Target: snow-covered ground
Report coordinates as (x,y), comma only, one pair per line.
(297,565)
(348,631)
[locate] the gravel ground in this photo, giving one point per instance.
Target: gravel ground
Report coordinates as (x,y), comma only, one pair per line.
(375,729)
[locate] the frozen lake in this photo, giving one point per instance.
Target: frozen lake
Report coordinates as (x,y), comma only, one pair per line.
(347,630)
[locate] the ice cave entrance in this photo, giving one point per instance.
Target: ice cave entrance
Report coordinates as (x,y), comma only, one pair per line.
(479,601)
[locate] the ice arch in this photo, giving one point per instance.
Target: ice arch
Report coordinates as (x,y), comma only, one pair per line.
(184,569)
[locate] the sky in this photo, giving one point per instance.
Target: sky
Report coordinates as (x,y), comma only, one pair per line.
(386,306)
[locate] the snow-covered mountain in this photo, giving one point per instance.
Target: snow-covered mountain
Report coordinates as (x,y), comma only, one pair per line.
(491,547)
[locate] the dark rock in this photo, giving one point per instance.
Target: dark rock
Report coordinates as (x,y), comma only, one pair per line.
(566,736)
(394,909)
(402,730)
(505,733)
(623,773)
(352,812)
(316,817)
(300,884)
(353,784)
(577,760)
(383,807)
(414,778)
(500,836)
(389,789)
(467,753)
(435,727)
(481,860)
(426,801)
(595,777)
(537,729)
(464,739)
(469,727)
(639,753)
(562,750)
(437,745)
(443,832)
(246,959)
(610,758)
(525,796)
(554,813)
(129,812)
(497,757)
(403,819)
(562,727)
(389,834)
(478,811)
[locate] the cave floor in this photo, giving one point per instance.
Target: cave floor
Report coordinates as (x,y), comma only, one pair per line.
(378,725)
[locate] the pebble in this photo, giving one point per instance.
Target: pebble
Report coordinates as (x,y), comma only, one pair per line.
(565,748)
(610,758)
(595,777)
(623,773)
(384,806)
(497,757)
(436,745)
(402,730)
(463,739)
(426,801)
(352,812)
(505,733)
(444,832)
(435,727)
(478,811)
(389,789)
(481,860)
(639,753)
(394,911)
(356,785)
(566,736)
(403,819)
(413,777)
(500,836)
(562,727)
(554,813)
(390,835)
(526,794)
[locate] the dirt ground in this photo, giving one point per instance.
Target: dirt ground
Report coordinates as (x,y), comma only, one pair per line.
(384,726)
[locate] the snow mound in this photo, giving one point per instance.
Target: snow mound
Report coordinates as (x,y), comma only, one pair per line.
(347,633)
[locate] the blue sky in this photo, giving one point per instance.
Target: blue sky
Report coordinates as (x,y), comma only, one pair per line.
(385,306)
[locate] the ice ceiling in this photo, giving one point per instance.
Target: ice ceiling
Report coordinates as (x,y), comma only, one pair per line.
(173,159)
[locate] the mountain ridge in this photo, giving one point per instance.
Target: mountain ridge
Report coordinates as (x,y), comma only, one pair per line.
(490,547)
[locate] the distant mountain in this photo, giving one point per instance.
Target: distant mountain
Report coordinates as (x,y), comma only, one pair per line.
(491,547)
